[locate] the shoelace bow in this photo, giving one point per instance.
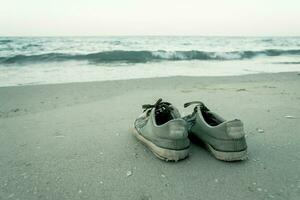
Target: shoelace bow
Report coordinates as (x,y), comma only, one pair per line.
(160,106)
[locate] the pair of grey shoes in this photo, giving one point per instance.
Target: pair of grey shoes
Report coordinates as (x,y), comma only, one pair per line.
(162,129)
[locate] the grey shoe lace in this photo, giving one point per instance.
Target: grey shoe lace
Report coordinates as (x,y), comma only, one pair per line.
(199,103)
(160,107)
(207,115)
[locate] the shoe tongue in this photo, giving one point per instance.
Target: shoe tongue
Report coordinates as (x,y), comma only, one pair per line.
(203,108)
(163,107)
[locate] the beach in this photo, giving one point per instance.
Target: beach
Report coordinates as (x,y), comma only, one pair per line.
(74,140)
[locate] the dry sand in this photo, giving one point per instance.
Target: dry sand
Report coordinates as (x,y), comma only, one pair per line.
(73,141)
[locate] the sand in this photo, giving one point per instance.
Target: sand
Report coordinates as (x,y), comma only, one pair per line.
(74,141)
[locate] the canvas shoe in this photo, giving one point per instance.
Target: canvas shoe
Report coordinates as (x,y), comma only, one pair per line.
(163,131)
(224,139)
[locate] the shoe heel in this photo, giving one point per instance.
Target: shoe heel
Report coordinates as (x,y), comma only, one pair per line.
(162,153)
(227,156)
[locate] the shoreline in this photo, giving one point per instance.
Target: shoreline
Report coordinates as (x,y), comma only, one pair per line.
(163,77)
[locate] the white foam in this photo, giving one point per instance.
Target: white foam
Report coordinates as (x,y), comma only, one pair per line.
(74,72)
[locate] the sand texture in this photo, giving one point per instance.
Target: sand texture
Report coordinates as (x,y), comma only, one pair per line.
(73,141)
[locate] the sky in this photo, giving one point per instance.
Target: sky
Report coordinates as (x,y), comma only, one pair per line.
(149,17)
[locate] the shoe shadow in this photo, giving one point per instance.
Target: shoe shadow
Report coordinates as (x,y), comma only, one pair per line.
(195,140)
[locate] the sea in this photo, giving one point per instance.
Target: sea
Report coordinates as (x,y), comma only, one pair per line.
(50,60)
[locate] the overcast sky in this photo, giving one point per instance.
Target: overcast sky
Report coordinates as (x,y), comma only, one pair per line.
(149,17)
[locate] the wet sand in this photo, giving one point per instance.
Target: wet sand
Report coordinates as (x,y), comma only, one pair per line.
(74,141)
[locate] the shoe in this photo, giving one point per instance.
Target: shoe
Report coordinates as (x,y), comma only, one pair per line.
(163,131)
(224,139)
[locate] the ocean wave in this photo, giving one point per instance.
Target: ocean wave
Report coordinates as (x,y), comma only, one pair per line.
(144,56)
(267,40)
(5,41)
(30,46)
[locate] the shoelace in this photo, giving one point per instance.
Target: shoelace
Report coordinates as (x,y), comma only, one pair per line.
(160,107)
(199,103)
(205,112)
(190,119)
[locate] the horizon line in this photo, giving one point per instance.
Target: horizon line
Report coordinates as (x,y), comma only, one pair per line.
(149,35)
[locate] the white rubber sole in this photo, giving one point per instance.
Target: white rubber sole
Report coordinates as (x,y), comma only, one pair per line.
(227,156)
(161,153)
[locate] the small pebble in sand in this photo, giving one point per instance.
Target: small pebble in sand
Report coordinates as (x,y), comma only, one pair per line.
(290,117)
(186,91)
(25,176)
(79,191)
(59,136)
(164,176)
(216,180)
(260,130)
(128,173)
(253,183)
(11,196)
(259,189)
(271,196)
(242,89)
(101,182)
(101,153)
(16,110)
(35,190)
